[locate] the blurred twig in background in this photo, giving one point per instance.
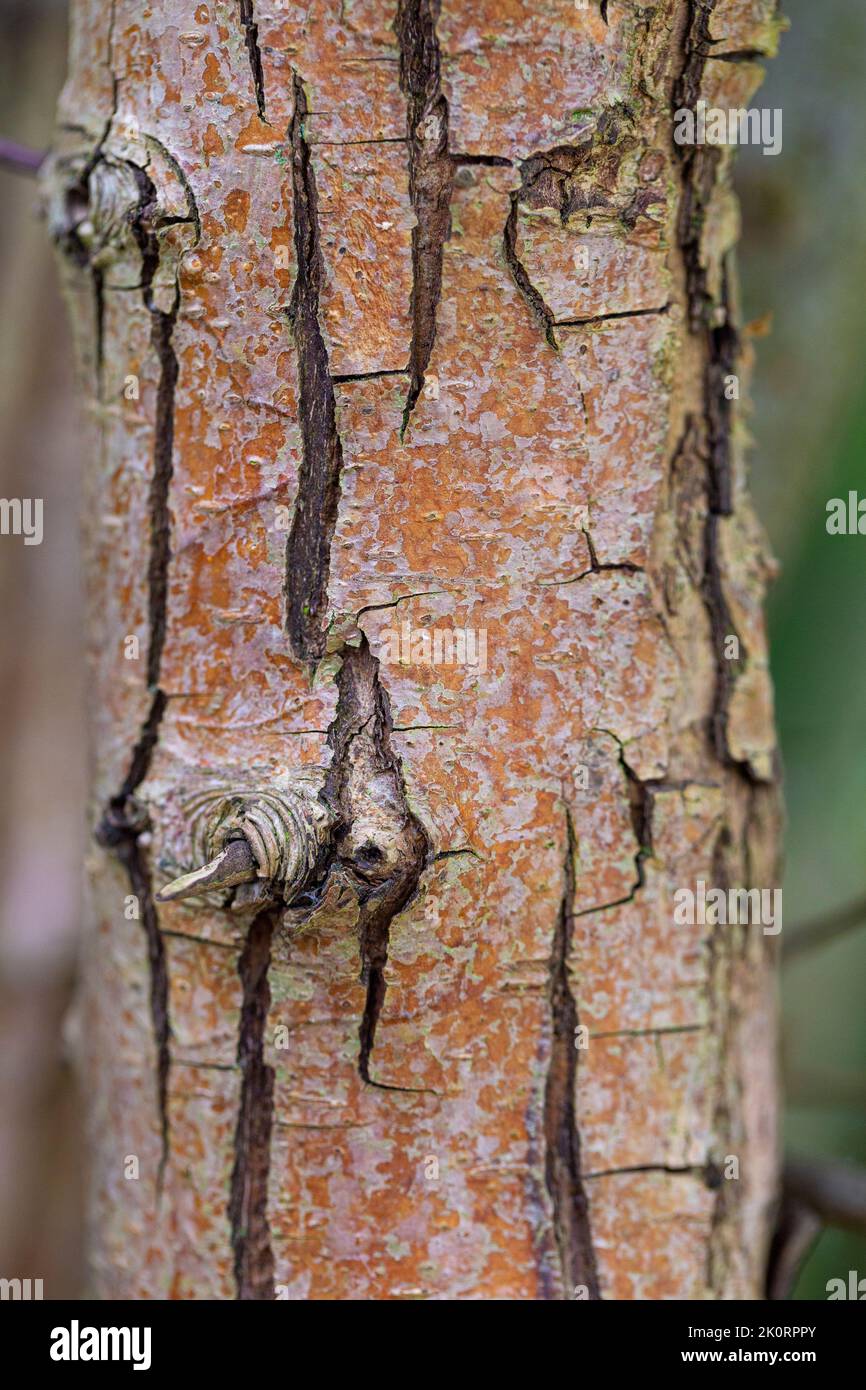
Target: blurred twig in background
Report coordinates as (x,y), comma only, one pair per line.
(823,930)
(834,1192)
(20,158)
(815,1194)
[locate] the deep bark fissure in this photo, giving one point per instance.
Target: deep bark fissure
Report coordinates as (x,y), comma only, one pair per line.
(652,1032)
(246,10)
(248,1200)
(486,161)
(142,752)
(562,1137)
(340,378)
(541,312)
(596,565)
(569,179)
(431,177)
(723,348)
(739,55)
(722,629)
(565,1180)
(606,567)
(161,337)
(124,821)
(720,951)
(374,928)
(673,1168)
(618,314)
(629,897)
(97,280)
(380,843)
(640,798)
(715,325)
(308,548)
(160,484)
(120,833)
(698,162)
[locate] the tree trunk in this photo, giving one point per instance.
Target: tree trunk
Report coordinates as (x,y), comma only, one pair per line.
(407,336)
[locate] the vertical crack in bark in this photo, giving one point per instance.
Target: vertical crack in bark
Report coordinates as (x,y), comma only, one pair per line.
(721,948)
(714,323)
(308,548)
(248,1202)
(431,176)
(251,39)
(699,162)
(160,482)
(641,800)
(380,843)
(97,280)
(374,929)
(124,821)
(119,833)
(540,311)
(161,337)
(569,179)
(142,752)
(562,1137)
(723,349)
(722,627)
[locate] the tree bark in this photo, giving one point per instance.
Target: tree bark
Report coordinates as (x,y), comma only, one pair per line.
(396,320)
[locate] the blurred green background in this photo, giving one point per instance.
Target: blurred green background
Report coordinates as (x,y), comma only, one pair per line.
(803,260)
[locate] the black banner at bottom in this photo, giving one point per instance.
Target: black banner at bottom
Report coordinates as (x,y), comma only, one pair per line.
(81,1339)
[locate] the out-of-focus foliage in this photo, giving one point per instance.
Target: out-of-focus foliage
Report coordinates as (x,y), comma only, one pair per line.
(41,733)
(804,258)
